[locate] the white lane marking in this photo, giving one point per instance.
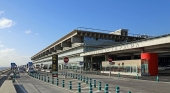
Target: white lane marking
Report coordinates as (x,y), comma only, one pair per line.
(21,87)
(3,75)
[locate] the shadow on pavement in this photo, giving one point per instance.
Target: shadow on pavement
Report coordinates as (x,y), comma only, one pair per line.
(20,88)
(4,78)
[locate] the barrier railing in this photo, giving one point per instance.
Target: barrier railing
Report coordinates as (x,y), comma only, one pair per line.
(91,83)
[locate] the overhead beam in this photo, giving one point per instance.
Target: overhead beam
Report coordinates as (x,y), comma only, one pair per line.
(58,48)
(66,44)
(76,39)
(160,49)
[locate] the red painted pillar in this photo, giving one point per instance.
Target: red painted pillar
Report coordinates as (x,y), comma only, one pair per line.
(152,62)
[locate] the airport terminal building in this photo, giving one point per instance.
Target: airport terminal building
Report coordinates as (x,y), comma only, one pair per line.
(130,54)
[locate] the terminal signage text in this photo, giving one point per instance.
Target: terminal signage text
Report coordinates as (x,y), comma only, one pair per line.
(54,65)
(114,48)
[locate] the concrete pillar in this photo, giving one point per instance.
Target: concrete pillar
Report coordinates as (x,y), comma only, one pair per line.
(106,57)
(142,50)
(61,66)
(91,64)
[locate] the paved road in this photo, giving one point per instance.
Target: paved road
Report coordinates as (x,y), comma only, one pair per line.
(3,77)
(126,84)
(26,84)
(164,76)
(135,86)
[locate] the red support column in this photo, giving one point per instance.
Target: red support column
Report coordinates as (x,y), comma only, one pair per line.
(152,62)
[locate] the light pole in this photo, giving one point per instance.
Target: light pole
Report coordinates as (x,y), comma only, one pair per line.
(65,70)
(110,62)
(66,59)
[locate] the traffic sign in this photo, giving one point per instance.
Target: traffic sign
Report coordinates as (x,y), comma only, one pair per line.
(110,59)
(55,66)
(81,63)
(66,59)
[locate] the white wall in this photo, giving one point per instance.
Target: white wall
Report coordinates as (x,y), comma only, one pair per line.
(72,60)
(43,59)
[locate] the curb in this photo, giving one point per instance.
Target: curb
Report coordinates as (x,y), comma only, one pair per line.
(128,78)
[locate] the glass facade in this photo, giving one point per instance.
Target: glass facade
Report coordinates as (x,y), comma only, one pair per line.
(125,69)
(95,43)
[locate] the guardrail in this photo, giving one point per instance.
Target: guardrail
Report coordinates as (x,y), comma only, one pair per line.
(7,87)
(77,83)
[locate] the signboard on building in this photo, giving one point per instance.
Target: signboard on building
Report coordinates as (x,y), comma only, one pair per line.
(112,49)
(81,63)
(30,64)
(13,66)
(66,59)
(54,65)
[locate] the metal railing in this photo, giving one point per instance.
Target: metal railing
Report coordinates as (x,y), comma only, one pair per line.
(108,31)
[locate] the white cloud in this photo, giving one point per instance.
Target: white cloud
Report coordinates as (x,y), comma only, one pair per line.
(6,23)
(36,33)
(2,12)
(28,32)
(1,46)
(10,55)
(1,37)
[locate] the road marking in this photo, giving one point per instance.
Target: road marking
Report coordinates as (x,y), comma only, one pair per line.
(4,75)
(20,87)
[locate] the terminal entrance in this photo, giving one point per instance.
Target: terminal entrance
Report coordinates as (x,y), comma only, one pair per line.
(93,63)
(163,61)
(164,65)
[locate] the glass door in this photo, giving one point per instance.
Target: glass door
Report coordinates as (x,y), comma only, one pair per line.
(144,66)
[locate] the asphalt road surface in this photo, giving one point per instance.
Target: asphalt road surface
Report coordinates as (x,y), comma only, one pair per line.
(125,84)
(133,85)
(26,84)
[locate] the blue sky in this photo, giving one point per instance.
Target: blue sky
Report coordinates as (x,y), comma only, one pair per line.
(28,26)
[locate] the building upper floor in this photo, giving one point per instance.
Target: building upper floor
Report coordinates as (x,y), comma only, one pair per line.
(88,37)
